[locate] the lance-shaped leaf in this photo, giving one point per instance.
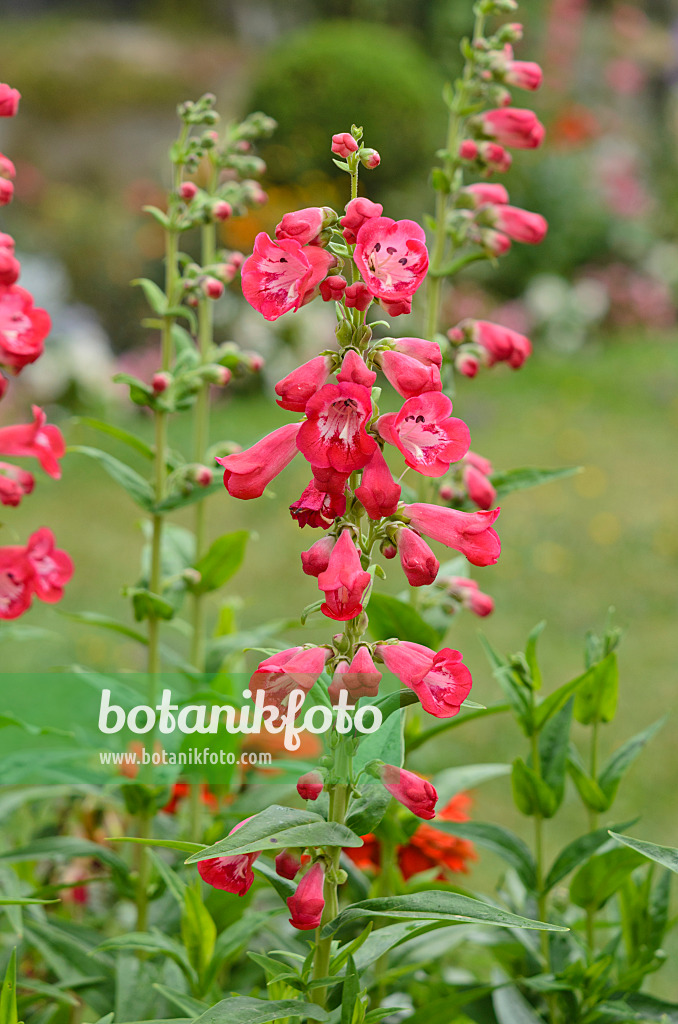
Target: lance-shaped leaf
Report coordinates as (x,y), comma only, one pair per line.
(552,704)
(247,1010)
(531,794)
(520,479)
(435,905)
(502,841)
(596,700)
(622,759)
(389,617)
(575,853)
(221,561)
(64,847)
(514,690)
(553,746)
(667,856)
(8,1011)
(588,788)
(601,876)
(138,489)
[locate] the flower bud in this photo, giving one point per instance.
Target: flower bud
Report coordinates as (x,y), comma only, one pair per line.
(287,864)
(222,210)
(9,100)
(213,288)
(202,475)
(6,191)
(10,268)
(388,549)
(358,296)
(344,144)
(332,288)
(446,492)
(466,363)
(310,785)
(369,158)
(161,382)
(188,190)
(7,168)
(6,242)
(255,362)
(225,377)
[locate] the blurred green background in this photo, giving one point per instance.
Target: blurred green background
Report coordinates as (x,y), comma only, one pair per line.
(99,84)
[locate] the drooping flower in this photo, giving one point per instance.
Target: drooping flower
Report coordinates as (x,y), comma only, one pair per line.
(230,874)
(358,296)
(358,211)
(512,126)
(297,387)
(520,225)
(9,100)
(307,904)
(297,668)
(316,559)
(467,592)
(344,582)
(470,533)
(408,375)
(305,225)
(334,433)
(426,434)
(14,483)
(246,474)
(287,864)
(23,328)
(413,792)
(419,563)
(282,276)
(482,192)
(52,568)
(16,582)
(440,680)
(361,677)
(378,491)
(310,785)
(318,508)
(355,371)
(332,288)
(479,487)
(523,74)
(500,344)
(392,258)
(37,440)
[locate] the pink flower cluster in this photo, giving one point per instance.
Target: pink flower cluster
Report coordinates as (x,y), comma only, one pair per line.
(37,569)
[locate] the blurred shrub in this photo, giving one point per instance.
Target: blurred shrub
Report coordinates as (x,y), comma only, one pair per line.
(321,80)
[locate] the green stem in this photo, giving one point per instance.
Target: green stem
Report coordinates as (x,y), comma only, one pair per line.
(143,873)
(593,825)
(339,793)
(542,900)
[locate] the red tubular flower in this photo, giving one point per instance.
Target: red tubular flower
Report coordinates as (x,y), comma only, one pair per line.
(357,296)
(354,370)
(344,581)
(361,678)
(334,433)
(427,352)
(523,74)
(7,170)
(482,192)
(378,491)
(10,268)
(490,155)
(426,434)
(35,440)
(307,904)
(392,257)
(513,126)
(246,474)
(230,874)
(480,490)
(468,592)
(430,848)
(470,533)
(520,225)
(318,508)
(23,328)
(287,864)
(310,785)
(328,480)
(409,376)
(280,276)
(16,582)
(14,483)
(419,563)
(6,191)
(52,569)
(332,288)
(358,212)
(501,344)
(413,792)
(344,144)
(297,668)
(303,226)
(441,681)
(9,100)
(297,387)
(317,558)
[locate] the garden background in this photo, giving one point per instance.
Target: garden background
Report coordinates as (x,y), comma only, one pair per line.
(100,82)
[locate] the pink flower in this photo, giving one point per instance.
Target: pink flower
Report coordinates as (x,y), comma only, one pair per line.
(501,344)
(52,568)
(378,492)
(413,792)
(494,242)
(297,387)
(297,668)
(35,440)
(287,864)
(303,226)
(467,591)
(358,212)
(316,559)
(369,158)
(332,288)
(16,579)
(280,276)
(489,154)
(523,74)
(392,257)
(9,100)
(427,352)
(230,874)
(344,144)
(317,508)
(6,241)
(188,190)
(480,490)
(482,192)
(329,480)
(6,191)
(470,533)
(354,370)
(7,170)
(14,483)
(409,375)
(361,678)
(334,434)
(466,363)
(419,563)
(426,434)
(441,681)
(222,210)
(310,785)
(23,328)
(357,296)
(344,582)
(10,268)
(246,474)
(307,904)
(512,126)
(520,225)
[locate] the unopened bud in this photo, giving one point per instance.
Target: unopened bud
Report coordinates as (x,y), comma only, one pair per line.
(222,210)
(225,377)
(254,361)
(6,191)
(369,158)
(161,382)
(192,576)
(213,288)
(388,549)
(203,476)
(466,363)
(7,168)
(446,492)
(188,190)
(236,259)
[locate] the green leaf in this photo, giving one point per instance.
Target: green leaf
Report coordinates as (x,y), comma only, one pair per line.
(588,789)
(434,905)
(552,704)
(167,844)
(247,1010)
(105,622)
(451,781)
(350,992)
(622,759)
(520,479)
(221,561)
(596,700)
(514,691)
(8,1011)
(153,943)
(500,840)
(157,214)
(282,886)
(155,296)
(198,930)
(511,1007)
(667,856)
(531,794)
(366,812)
(234,939)
(120,434)
(414,742)
(601,876)
(531,654)
(63,847)
(175,885)
(390,617)
(278,827)
(148,605)
(138,489)
(24,902)
(185,1003)
(553,747)
(572,855)
(393,702)
(273,969)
